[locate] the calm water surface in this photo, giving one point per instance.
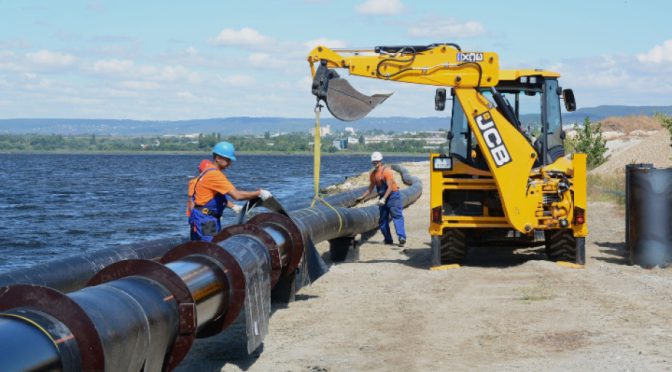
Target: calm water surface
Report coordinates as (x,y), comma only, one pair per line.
(55,206)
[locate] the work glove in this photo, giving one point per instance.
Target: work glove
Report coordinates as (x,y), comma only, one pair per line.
(381,201)
(264,194)
(237,208)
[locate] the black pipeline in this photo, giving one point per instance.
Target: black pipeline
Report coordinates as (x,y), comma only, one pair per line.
(71,273)
(141,314)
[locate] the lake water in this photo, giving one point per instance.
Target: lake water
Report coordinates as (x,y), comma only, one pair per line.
(55,206)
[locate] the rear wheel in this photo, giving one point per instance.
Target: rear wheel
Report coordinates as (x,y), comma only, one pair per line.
(450,248)
(561,245)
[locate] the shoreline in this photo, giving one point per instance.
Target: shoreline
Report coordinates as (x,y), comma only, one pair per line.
(247,153)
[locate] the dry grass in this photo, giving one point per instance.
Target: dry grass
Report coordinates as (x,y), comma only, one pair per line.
(628,124)
(539,292)
(605,187)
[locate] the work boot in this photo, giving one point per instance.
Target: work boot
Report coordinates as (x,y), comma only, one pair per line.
(388,243)
(402,241)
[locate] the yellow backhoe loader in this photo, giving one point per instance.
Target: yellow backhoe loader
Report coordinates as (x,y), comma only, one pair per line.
(505,179)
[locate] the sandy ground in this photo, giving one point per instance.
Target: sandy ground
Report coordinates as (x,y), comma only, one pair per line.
(503,310)
(653,148)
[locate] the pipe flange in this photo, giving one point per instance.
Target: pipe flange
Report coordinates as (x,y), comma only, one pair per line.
(265,238)
(285,223)
(66,311)
(233,274)
(175,285)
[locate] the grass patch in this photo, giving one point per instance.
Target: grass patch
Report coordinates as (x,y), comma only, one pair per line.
(539,292)
(609,188)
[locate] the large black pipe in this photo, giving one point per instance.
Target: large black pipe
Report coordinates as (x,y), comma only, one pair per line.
(140,314)
(71,273)
(324,223)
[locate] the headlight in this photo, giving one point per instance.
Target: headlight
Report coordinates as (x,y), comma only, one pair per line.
(443,163)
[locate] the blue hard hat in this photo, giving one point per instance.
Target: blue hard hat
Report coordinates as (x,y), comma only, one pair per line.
(225,150)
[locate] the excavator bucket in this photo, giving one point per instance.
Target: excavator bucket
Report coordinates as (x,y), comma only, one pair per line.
(343,101)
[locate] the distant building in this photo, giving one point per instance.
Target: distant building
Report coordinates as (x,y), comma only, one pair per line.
(324,131)
(350,130)
(382,138)
(340,144)
(353,140)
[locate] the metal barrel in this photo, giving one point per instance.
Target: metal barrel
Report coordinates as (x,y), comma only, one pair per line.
(649,215)
(142,314)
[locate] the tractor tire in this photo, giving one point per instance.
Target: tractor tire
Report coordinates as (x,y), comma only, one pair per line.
(561,245)
(450,248)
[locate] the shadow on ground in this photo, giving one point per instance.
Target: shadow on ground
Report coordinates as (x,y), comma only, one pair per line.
(228,347)
(495,257)
(615,253)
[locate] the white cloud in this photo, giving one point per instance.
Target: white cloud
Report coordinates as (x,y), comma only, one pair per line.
(113,66)
(139,85)
(380,7)
(188,96)
(330,43)
(616,80)
(129,69)
(48,58)
(244,37)
(259,59)
(446,29)
(659,54)
(236,80)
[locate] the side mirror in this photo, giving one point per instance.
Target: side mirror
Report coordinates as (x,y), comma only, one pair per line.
(440,99)
(568,97)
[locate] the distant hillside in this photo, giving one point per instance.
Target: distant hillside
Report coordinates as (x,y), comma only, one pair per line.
(233,125)
(258,125)
(602,112)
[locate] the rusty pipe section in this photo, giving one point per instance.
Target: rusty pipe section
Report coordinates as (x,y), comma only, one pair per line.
(144,315)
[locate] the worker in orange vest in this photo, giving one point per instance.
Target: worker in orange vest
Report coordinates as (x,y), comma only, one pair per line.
(211,190)
(202,167)
(389,199)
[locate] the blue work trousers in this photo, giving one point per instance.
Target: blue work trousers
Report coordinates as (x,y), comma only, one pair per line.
(203,227)
(392,210)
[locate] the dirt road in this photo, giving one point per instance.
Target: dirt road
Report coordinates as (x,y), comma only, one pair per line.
(503,310)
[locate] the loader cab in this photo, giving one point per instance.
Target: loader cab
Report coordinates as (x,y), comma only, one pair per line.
(532,98)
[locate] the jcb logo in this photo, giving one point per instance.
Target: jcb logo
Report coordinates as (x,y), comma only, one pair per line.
(470,57)
(493,139)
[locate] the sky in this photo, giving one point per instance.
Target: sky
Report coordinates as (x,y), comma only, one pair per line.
(174,60)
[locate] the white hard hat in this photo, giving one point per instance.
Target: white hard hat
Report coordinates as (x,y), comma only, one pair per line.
(376,156)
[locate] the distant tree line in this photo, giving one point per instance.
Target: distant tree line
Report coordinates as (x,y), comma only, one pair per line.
(286,143)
